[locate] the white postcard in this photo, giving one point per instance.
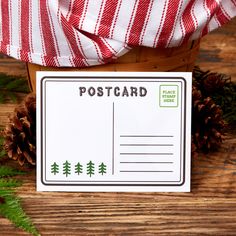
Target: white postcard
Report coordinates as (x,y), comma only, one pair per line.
(113,131)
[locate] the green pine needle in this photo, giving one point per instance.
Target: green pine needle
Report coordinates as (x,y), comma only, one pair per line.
(9,183)
(2,153)
(1,140)
(6,171)
(1,98)
(224,95)
(13,211)
(10,86)
(11,208)
(12,96)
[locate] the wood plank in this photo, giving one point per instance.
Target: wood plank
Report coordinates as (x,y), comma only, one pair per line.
(210,207)
(218,50)
(5,111)
(11,66)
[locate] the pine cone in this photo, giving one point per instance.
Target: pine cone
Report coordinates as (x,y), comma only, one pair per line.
(196,94)
(210,83)
(215,82)
(199,76)
(207,123)
(20,133)
(194,150)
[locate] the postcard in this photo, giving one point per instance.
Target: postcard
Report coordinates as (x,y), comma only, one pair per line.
(113,131)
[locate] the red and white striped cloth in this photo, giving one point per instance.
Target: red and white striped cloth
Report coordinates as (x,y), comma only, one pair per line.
(79,33)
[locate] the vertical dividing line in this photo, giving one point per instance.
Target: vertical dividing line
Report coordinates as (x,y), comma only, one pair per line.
(113,140)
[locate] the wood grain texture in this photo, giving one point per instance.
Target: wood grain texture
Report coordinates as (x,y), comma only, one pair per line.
(5,111)
(11,66)
(218,50)
(210,208)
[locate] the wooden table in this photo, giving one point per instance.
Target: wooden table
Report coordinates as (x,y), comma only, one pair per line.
(210,208)
(218,50)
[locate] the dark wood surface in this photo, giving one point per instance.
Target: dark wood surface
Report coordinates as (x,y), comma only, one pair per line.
(210,208)
(218,50)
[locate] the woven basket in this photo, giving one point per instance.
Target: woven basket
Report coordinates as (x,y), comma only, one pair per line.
(138,59)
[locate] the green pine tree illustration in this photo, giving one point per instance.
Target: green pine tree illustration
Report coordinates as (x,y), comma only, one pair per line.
(78,168)
(54,168)
(66,168)
(90,168)
(102,168)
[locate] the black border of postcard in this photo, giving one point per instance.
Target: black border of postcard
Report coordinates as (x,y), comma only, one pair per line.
(120,79)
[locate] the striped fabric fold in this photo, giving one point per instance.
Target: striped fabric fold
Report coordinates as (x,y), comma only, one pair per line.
(81,33)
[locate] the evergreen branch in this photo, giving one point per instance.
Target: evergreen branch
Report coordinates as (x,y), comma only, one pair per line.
(220,88)
(12,210)
(10,85)
(1,98)
(9,183)
(12,96)
(1,139)
(6,171)
(2,153)
(10,206)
